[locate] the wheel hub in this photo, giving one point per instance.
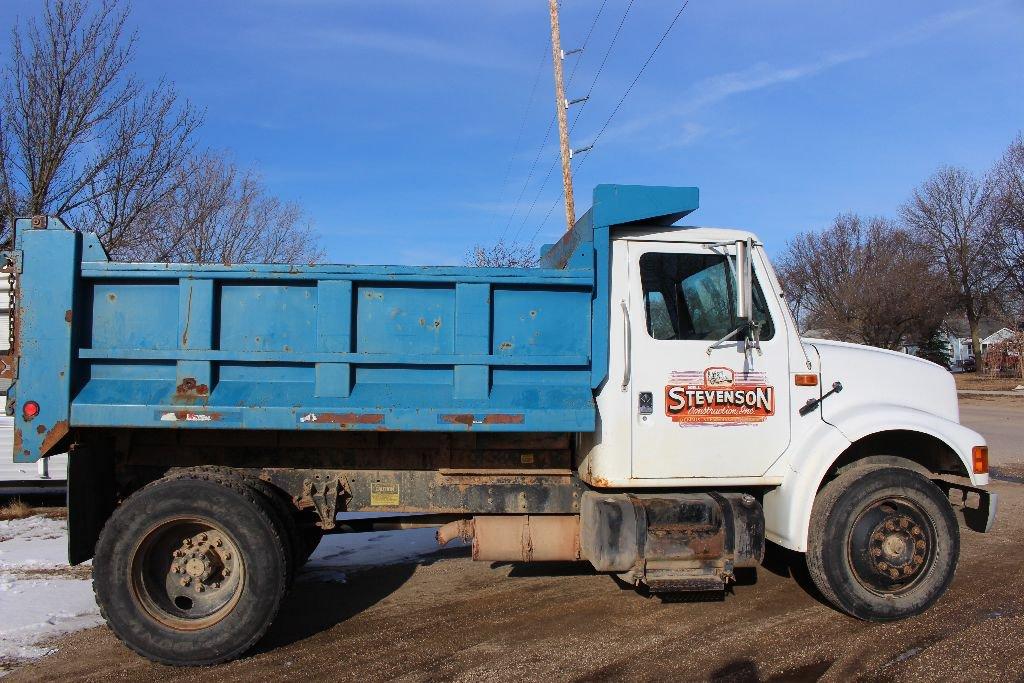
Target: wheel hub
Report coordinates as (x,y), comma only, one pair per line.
(890,546)
(203,561)
(188,573)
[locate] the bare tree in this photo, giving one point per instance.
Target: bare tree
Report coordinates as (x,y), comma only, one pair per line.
(1009,175)
(957,218)
(501,255)
(80,137)
(217,213)
(864,281)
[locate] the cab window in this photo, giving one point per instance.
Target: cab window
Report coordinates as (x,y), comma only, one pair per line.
(693,297)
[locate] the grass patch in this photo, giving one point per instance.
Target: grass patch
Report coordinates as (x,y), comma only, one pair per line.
(16,509)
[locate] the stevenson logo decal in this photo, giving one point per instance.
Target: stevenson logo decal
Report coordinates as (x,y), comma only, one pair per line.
(719,396)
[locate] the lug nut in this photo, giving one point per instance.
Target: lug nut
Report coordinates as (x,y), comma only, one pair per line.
(227,571)
(218,542)
(203,537)
(185,580)
(227,556)
(214,585)
(200,587)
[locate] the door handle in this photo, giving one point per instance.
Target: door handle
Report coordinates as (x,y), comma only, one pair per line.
(626,345)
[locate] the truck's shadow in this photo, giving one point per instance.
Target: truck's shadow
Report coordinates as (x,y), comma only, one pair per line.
(790,564)
(316,604)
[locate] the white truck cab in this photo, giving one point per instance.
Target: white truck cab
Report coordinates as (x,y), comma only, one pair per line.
(711,386)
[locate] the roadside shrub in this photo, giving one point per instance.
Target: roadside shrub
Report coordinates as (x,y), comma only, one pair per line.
(16,509)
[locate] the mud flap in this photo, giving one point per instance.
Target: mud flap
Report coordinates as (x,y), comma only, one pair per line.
(91,500)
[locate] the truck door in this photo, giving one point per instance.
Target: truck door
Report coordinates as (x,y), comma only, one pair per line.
(701,409)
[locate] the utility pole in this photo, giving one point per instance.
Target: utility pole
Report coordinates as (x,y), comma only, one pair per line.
(560,108)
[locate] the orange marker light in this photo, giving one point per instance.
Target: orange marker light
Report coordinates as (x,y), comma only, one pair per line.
(979,456)
(806,380)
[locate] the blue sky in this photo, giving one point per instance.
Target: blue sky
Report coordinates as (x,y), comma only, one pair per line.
(394,122)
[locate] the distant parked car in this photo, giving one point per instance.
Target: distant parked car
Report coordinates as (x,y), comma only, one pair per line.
(969,364)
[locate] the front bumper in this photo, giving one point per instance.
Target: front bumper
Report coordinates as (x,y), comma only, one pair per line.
(975,507)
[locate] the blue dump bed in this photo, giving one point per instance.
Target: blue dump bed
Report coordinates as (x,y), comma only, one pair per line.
(268,347)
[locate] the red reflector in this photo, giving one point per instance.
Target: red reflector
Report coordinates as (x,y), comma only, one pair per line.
(30,410)
(806,380)
(979,456)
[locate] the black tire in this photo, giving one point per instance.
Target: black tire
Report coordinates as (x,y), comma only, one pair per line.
(231,546)
(883,544)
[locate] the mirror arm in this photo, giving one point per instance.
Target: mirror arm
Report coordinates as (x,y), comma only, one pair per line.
(727,337)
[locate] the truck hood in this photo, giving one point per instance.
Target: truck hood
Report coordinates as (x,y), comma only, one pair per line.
(877,376)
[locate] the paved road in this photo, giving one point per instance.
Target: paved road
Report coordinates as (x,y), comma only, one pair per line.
(1001,422)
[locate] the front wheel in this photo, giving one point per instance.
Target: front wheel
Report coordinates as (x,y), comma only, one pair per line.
(883,543)
(190,570)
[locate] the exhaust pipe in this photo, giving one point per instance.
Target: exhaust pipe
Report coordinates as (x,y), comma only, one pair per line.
(517,538)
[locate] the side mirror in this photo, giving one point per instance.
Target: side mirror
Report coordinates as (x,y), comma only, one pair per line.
(744,280)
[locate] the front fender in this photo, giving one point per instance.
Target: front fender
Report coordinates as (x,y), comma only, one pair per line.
(856,423)
(788,508)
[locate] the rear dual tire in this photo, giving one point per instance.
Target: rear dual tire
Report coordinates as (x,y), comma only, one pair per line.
(191,570)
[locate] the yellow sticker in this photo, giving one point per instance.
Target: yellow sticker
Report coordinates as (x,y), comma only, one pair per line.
(383,495)
(526,458)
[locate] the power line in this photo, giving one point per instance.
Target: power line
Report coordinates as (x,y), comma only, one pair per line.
(551,124)
(604,60)
(576,117)
(618,105)
(522,127)
(640,72)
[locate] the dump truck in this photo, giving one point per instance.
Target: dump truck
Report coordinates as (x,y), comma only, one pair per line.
(642,400)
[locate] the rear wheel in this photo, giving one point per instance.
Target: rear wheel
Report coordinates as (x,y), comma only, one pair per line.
(189,571)
(282,514)
(883,543)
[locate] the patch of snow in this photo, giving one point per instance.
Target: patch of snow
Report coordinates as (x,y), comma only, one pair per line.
(341,553)
(36,610)
(33,543)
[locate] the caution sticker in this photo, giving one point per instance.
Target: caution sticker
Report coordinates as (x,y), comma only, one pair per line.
(384,495)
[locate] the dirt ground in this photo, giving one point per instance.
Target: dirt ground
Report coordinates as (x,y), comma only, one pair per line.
(977,381)
(459,620)
(454,619)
